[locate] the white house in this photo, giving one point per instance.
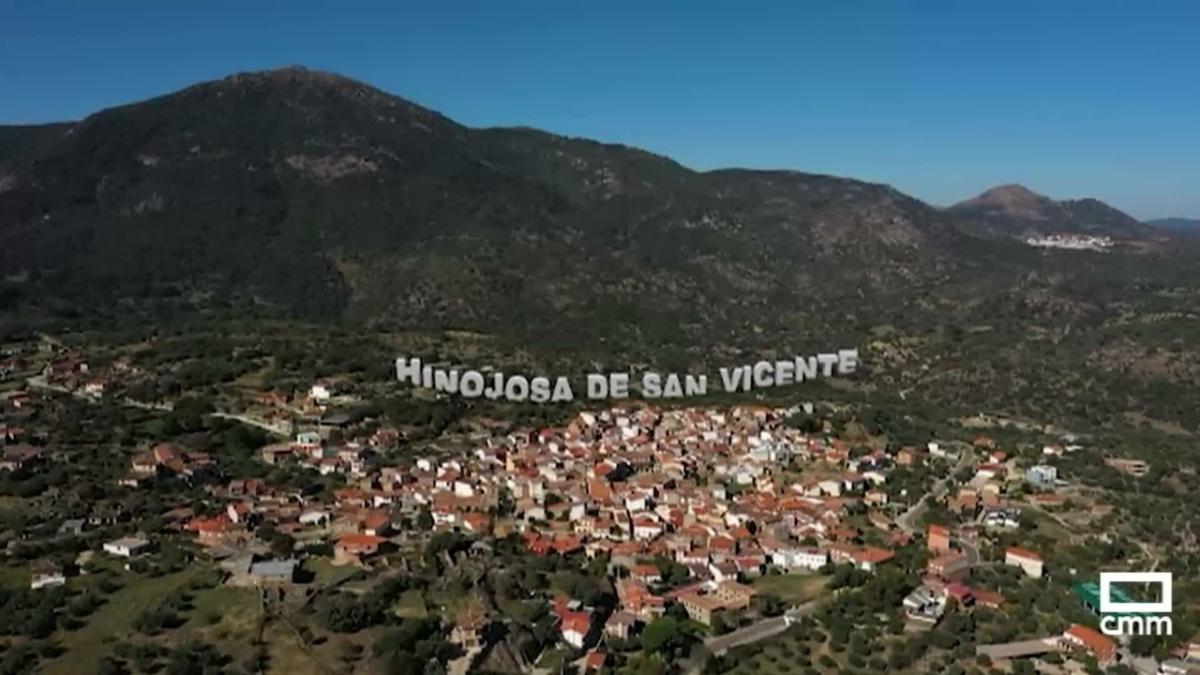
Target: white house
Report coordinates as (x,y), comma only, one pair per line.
(308,438)
(316,518)
(47,578)
(800,558)
(575,628)
(853,481)
(1029,562)
(875,477)
(936,450)
(646,528)
(830,487)
(1002,518)
(126,547)
(578,511)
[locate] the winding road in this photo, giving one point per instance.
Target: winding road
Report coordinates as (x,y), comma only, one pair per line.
(908,520)
(277,429)
(761,630)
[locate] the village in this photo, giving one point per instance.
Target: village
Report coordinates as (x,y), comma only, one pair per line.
(733,520)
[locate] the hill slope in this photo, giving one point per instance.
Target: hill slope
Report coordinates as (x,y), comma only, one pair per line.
(300,195)
(1188,226)
(326,196)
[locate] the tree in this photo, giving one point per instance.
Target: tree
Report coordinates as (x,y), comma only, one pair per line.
(645,664)
(110,666)
(666,637)
(720,624)
(425,519)
(768,604)
(195,659)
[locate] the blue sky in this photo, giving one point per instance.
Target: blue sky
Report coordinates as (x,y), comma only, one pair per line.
(940,99)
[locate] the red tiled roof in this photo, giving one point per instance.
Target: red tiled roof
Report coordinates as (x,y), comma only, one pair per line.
(1029,555)
(566,544)
(871,554)
(359,541)
(579,622)
(987,598)
(596,659)
(1093,640)
(375,521)
(958,591)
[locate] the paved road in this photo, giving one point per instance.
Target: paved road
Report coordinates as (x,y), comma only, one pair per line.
(909,519)
(971,551)
(753,633)
(277,429)
(758,631)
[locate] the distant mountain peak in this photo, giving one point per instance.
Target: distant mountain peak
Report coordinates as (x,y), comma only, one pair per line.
(1014,200)
(1017,209)
(1010,191)
(294,73)
(295,93)
(292,79)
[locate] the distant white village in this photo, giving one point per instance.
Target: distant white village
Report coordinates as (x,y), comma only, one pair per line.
(1074,242)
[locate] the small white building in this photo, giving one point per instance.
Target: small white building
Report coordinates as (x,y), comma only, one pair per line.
(1002,518)
(800,558)
(575,628)
(320,393)
(47,578)
(308,438)
(635,503)
(646,528)
(830,487)
(126,547)
(1029,562)
(875,477)
(317,518)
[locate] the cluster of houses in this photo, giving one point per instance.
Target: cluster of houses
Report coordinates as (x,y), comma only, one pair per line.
(945,578)
(69,370)
(707,490)
(704,489)
(727,495)
(165,460)
(280,410)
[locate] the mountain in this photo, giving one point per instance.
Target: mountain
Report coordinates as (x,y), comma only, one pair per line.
(325,196)
(1187,226)
(308,200)
(1017,210)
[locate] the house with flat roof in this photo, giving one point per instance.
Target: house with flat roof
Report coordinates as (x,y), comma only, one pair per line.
(126,547)
(1042,475)
(45,574)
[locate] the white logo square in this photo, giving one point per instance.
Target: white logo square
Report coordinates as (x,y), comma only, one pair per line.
(1108,606)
